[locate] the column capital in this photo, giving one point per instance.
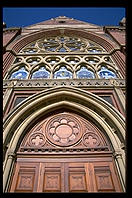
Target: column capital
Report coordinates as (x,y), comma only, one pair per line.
(11,154)
(117,153)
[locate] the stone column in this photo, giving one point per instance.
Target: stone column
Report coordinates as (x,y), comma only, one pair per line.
(8,93)
(8,170)
(120,167)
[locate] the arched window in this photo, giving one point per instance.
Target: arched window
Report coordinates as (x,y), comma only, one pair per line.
(19,74)
(85,73)
(62,73)
(106,73)
(64,50)
(41,73)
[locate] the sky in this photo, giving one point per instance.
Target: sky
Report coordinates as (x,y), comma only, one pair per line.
(25,16)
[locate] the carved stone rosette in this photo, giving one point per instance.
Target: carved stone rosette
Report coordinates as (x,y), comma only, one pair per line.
(63,130)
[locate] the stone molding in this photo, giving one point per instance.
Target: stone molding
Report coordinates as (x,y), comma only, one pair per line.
(32,83)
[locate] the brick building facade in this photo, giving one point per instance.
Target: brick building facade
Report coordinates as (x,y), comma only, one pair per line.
(64,107)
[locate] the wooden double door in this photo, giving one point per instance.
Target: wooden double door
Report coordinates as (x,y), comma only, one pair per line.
(65,175)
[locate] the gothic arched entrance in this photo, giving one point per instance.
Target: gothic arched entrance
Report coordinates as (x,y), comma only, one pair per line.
(65,153)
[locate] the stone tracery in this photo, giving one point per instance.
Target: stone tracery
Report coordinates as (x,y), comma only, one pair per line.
(34,55)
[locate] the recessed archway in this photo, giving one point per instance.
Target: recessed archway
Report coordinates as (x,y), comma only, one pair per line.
(84,103)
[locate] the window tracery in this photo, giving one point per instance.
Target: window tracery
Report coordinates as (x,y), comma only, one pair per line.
(41,73)
(106,73)
(63,73)
(62,44)
(20,74)
(85,59)
(85,73)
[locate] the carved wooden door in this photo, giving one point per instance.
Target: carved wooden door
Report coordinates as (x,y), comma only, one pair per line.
(65,153)
(65,176)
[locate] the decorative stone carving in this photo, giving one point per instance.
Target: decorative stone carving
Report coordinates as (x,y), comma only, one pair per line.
(91,139)
(69,131)
(64,130)
(36,139)
(59,82)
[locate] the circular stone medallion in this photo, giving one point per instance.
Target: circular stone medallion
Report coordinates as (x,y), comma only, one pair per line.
(63,129)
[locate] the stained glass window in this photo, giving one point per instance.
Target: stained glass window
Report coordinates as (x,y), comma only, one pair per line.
(85,73)
(20,74)
(30,51)
(106,73)
(92,60)
(95,50)
(52,60)
(62,73)
(33,61)
(72,60)
(54,56)
(62,44)
(41,73)
(62,49)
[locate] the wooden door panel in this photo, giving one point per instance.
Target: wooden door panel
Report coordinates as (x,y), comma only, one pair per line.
(52,182)
(25,178)
(77,177)
(52,177)
(77,182)
(25,181)
(105,177)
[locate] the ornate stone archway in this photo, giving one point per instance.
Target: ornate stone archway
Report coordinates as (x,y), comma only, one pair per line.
(84,103)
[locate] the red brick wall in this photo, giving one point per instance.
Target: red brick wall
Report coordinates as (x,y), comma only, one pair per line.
(118,35)
(8,37)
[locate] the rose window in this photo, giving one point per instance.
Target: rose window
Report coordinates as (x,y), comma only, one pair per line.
(63,57)
(62,44)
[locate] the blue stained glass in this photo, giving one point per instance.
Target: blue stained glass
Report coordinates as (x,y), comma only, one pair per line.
(20,74)
(62,73)
(62,49)
(51,49)
(85,73)
(73,48)
(95,50)
(105,73)
(41,73)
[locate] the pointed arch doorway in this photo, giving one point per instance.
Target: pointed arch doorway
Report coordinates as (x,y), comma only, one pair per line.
(65,153)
